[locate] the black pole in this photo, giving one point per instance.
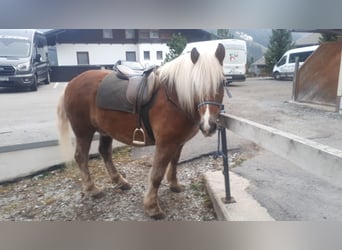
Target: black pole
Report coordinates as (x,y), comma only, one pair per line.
(228,198)
(222,131)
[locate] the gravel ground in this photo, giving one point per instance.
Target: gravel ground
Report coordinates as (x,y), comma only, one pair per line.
(57,196)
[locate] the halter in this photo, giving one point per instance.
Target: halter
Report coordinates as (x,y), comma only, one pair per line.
(220,105)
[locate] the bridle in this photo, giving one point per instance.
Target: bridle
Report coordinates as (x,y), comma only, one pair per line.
(170,99)
(220,105)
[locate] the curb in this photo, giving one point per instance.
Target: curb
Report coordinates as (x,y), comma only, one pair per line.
(246,207)
(34,145)
(26,146)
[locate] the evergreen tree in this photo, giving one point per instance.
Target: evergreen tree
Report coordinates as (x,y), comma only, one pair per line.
(280,42)
(250,61)
(176,46)
(327,37)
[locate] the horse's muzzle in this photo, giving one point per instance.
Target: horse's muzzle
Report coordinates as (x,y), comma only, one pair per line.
(208,130)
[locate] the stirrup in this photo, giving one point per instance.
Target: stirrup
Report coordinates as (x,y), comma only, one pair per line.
(138,142)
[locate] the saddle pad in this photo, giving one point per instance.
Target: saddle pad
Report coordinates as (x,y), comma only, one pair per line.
(111,94)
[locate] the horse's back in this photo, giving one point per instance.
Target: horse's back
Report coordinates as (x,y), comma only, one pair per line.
(86,80)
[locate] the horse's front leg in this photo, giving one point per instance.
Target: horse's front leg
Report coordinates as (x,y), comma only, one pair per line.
(162,157)
(171,174)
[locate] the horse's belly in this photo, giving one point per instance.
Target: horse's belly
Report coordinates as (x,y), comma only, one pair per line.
(119,125)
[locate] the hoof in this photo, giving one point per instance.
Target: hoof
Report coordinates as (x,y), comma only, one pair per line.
(124,186)
(153,210)
(95,193)
(158,216)
(177,189)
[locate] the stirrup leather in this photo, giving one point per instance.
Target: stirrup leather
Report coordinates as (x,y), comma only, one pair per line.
(136,132)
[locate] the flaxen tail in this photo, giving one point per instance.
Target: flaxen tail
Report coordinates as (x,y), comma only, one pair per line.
(65,142)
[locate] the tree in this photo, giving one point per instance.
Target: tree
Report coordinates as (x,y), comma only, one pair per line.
(280,42)
(327,37)
(176,46)
(224,34)
(250,61)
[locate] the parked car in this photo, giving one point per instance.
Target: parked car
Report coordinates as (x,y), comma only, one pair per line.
(137,67)
(285,67)
(23,59)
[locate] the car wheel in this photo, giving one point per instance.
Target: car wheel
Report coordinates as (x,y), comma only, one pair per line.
(34,84)
(277,76)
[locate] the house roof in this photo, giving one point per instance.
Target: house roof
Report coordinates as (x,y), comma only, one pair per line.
(322,31)
(308,40)
(82,35)
(260,61)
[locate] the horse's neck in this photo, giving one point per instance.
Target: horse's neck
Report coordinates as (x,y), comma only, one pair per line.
(172,98)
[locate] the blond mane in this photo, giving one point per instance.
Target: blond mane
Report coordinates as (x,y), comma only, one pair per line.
(192,82)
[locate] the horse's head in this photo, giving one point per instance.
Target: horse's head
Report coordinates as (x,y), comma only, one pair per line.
(211,104)
(197,80)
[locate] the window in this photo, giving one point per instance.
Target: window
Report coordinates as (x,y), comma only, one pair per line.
(159,55)
(107,34)
(131,56)
(154,34)
(301,55)
(130,34)
(82,58)
(146,55)
(42,48)
(282,61)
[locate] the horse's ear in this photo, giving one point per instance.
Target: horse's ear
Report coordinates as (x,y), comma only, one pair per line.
(220,53)
(194,55)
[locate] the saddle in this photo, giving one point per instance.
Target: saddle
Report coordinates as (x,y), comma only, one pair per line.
(124,90)
(140,86)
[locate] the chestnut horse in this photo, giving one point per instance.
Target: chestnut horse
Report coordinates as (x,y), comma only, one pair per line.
(188,97)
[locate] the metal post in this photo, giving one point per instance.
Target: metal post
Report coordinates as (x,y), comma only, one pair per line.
(224,152)
(228,198)
(294,85)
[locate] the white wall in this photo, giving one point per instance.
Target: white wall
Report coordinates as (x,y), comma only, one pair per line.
(153,48)
(109,53)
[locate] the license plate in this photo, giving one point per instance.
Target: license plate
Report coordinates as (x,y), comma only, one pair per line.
(4,78)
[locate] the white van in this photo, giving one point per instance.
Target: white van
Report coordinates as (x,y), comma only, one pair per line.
(23,59)
(235,61)
(285,67)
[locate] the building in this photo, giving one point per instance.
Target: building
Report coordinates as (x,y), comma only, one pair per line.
(106,46)
(258,68)
(309,39)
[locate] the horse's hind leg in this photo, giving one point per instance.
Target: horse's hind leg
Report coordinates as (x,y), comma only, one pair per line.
(81,157)
(171,174)
(105,150)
